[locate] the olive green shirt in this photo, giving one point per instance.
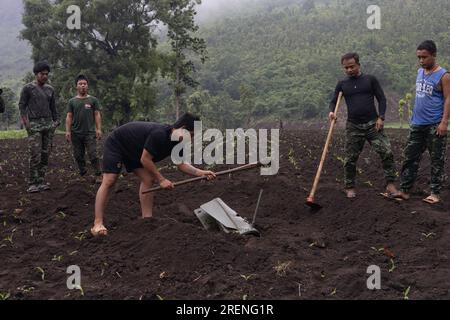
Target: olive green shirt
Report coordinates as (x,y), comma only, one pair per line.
(83,111)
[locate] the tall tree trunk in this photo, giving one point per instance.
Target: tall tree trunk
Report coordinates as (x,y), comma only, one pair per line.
(177,92)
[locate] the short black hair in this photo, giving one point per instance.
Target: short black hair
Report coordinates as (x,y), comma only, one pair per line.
(187,121)
(81,77)
(350,55)
(41,66)
(428,45)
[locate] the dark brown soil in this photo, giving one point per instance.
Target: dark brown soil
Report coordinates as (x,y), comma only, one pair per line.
(301,254)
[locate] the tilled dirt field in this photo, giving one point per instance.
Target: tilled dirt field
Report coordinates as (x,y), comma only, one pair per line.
(301,254)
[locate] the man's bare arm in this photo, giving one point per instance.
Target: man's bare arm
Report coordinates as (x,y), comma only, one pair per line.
(443,126)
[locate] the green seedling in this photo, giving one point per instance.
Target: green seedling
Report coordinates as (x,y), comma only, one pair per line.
(9,239)
(159,297)
(80,288)
(333,292)
(369,183)
(25,289)
(292,159)
(42,272)
(61,215)
(247,277)
(57,258)
(428,235)
(4,296)
(81,235)
(282,268)
(392,268)
(406,293)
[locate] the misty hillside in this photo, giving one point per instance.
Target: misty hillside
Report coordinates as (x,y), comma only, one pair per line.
(271,59)
(287,52)
(14,54)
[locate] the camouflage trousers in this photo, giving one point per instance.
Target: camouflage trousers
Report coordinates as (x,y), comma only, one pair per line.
(356,136)
(82,143)
(423,138)
(40,139)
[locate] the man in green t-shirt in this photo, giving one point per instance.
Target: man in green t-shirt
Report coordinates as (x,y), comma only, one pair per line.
(84,127)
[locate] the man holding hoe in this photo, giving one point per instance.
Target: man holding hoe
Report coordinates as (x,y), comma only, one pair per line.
(364,122)
(138,146)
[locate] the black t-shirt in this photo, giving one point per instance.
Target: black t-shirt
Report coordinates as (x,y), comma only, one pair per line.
(134,137)
(360,93)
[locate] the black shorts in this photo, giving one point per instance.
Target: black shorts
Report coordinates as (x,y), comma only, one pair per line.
(113,159)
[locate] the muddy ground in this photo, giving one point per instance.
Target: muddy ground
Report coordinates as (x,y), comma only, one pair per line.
(301,254)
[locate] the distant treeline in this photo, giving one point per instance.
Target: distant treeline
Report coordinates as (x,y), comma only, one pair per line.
(278,59)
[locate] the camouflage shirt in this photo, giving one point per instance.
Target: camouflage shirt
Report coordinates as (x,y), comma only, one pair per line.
(38,102)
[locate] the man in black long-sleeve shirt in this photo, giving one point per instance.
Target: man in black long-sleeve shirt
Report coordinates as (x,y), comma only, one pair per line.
(364,122)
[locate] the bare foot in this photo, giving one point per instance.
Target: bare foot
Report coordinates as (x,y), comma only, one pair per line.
(401,195)
(350,193)
(99,230)
(391,189)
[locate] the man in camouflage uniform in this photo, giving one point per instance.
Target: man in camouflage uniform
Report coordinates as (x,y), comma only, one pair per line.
(364,123)
(40,118)
(84,127)
(429,123)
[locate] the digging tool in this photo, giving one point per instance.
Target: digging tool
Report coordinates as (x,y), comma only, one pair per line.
(217,215)
(221,173)
(311,201)
(257,207)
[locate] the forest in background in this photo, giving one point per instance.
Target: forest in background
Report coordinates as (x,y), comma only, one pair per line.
(266,60)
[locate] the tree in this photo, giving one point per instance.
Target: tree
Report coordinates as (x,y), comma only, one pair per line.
(401,111)
(248,96)
(181,26)
(115,48)
(11,114)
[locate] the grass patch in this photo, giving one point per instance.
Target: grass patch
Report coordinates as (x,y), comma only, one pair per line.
(396,125)
(18,134)
(13,134)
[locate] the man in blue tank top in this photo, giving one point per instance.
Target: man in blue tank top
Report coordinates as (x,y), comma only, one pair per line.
(429,123)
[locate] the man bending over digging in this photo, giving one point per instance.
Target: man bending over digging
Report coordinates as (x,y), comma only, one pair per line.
(138,146)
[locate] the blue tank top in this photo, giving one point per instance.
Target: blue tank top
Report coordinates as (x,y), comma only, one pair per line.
(429,105)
